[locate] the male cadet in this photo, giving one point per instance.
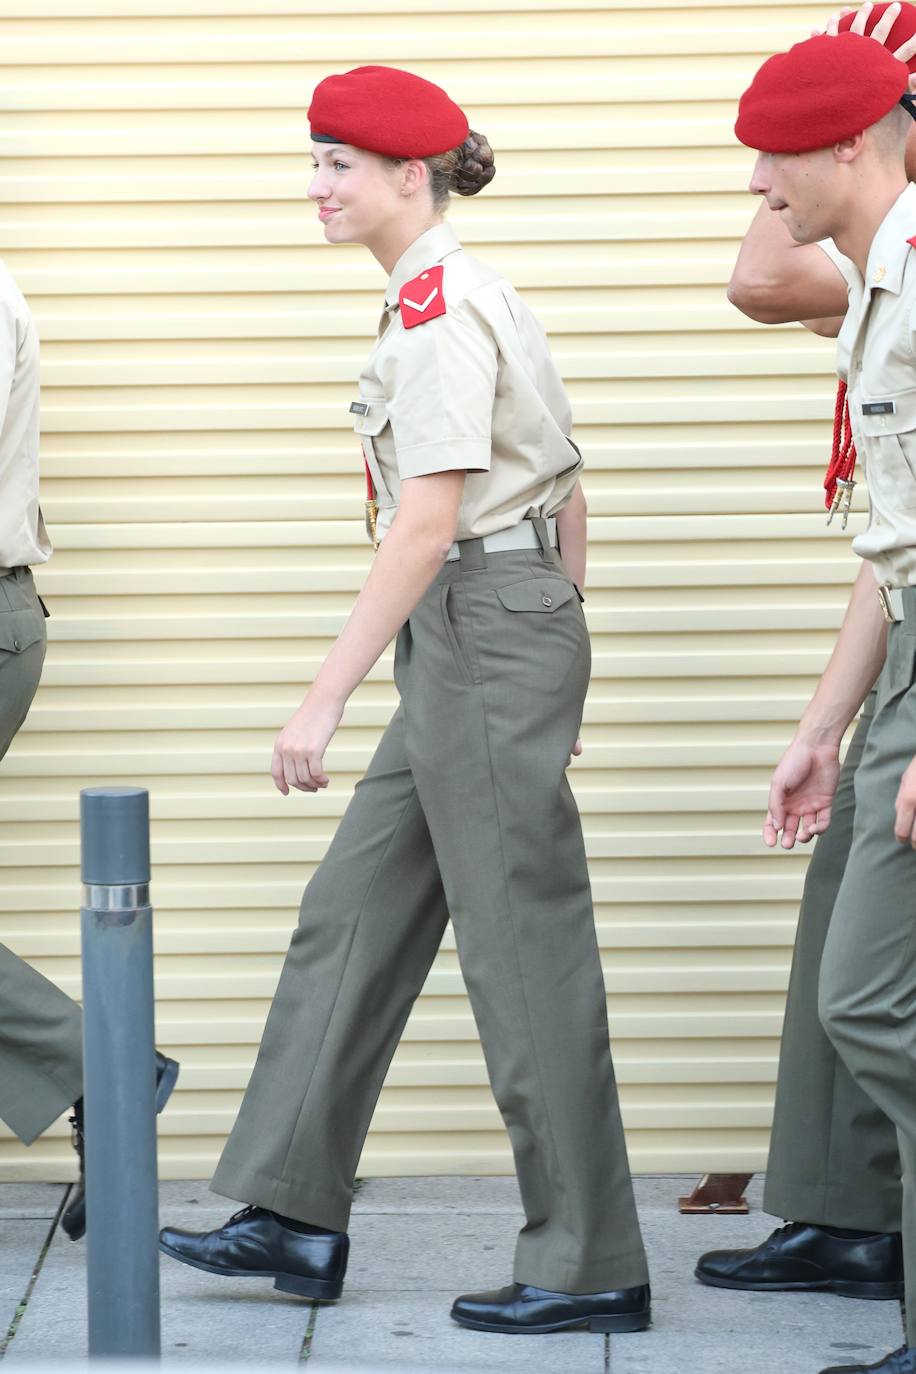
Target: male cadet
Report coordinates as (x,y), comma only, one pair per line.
(834,1165)
(833,167)
(40,1028)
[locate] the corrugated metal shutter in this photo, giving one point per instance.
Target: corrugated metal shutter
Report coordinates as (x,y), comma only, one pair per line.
(204,493)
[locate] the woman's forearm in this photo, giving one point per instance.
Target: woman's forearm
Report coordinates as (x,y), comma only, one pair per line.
(855,663)
(408,559)
(572,536)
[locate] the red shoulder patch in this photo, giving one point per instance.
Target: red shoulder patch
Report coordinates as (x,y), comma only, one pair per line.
(912,241)
(422,299)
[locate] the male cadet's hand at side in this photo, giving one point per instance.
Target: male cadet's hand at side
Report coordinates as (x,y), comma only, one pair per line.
(801,793)
(905,826)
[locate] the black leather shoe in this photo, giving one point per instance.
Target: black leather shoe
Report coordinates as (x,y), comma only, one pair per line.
(73,1219)
(902,1361)
(521,1308)
(253,1244)
(803,1257)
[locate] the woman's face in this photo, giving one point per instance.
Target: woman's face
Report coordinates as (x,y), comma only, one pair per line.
(357,193)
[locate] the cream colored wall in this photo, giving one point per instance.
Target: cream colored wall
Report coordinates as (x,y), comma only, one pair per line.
(203,490)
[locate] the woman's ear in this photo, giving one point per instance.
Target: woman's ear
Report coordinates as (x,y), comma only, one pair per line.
(415,175)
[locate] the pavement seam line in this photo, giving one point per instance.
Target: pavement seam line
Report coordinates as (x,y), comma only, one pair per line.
(309,1333)
(22,1305)
(607,1355)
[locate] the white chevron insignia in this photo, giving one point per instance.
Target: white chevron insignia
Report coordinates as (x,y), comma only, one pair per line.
(426,304)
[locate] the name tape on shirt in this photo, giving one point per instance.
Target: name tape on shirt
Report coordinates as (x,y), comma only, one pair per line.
(359,408)
(421,299)
(879,407)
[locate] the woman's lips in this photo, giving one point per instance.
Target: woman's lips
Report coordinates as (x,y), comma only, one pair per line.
(326,212)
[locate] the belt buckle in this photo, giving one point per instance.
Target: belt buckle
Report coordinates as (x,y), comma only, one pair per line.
(884,596)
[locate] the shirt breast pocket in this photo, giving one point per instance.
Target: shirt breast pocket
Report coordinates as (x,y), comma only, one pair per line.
(890,448)
(369,426)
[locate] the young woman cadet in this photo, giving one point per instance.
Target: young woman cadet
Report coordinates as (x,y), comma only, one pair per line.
(465,810)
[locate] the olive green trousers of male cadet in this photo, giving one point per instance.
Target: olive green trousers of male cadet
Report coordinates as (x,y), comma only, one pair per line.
(867,994)
(845,1125)
(834,1158)
(40,1027)
(466,812)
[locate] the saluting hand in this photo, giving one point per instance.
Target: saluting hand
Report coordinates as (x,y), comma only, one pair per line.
(298,758)
(801,794)
(880,32)
(905,826)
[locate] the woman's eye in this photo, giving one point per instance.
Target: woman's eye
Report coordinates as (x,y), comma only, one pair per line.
(338,165)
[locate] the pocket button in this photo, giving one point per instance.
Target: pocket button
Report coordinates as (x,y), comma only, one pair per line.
(546,600)
(16,646)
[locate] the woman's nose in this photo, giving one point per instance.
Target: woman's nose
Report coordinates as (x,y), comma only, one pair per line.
(318,187)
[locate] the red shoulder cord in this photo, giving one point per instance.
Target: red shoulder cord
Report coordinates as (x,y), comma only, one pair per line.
(843,457)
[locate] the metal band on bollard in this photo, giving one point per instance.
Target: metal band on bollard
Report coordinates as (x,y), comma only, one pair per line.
(119,1091)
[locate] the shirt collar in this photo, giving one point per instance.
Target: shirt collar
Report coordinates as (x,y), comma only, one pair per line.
(426,251)
(890,247)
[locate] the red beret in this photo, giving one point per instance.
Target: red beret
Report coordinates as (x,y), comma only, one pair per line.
(818,93)
(386,110)
(904,27)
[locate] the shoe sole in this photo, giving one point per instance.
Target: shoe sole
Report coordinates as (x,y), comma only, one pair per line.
(843,1288)
(325,1290)
(613,1323)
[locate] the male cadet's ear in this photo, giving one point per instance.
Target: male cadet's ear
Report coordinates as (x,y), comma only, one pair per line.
(850,148)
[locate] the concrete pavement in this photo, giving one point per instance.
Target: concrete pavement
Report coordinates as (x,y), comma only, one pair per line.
(417,1243)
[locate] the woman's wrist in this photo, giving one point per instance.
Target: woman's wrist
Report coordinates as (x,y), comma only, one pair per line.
(323,695)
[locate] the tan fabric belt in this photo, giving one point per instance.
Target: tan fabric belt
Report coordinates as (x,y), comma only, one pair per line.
(521,536)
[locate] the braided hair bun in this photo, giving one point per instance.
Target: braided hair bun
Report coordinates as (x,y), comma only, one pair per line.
(475,166)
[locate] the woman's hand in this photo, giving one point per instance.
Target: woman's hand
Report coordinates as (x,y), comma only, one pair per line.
(576,750)
(801,794)
(905,827)
(298,758)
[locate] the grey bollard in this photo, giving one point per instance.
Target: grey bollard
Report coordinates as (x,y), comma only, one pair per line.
(119,1088)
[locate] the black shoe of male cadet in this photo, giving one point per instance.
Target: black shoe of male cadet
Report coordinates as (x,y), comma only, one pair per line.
(257,1244)
(73,1219)
(902,1361)
(521,1309)
(807,1258)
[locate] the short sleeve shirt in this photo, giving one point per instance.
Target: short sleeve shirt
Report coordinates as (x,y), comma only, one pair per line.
(23,538)
(876,356)
(473,389)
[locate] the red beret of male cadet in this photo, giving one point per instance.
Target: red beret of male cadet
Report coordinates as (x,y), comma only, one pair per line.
(904,27)
(386,110)
(818,93)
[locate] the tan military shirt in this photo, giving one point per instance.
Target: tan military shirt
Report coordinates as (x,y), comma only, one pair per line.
(876,356)
(470,388)
(23,538)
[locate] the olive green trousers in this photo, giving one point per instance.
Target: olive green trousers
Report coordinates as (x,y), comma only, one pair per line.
(834,1159)
(868,975)
(465,812)
(40,1027)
